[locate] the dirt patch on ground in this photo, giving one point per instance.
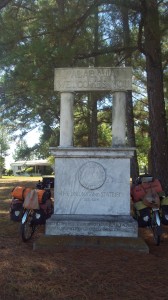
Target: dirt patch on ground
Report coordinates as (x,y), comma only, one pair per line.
(78,274)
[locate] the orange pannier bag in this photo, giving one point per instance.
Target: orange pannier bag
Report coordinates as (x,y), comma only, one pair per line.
(138,192)
(20,192)
(25,192)
(42,196)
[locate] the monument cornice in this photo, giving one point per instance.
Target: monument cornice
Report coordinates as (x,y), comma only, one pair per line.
(111,152)
(93,79)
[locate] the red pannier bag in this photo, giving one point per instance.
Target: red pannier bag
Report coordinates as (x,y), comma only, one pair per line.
(139,191)
(154,185)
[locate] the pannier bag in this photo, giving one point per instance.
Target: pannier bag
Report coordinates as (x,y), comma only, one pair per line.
(164,214)
(39,217)
(138,192)
(164,211)
(16,210)
(45,212)
(20,192)
(43,195)
(143,214)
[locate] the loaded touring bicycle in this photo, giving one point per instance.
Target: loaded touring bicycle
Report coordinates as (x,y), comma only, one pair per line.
(150,205)
(31,207)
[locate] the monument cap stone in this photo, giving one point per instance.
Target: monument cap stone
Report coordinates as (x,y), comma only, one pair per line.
(93,79)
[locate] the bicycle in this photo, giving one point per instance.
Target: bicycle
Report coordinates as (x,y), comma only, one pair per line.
(32,218)
(31,208)
(156,225)
(28,227)
(150,219)
(146,196)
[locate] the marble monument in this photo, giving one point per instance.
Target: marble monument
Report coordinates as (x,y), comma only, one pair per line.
(92,185)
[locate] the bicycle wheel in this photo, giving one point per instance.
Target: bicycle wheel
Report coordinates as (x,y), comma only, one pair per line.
(27,227)
(156,234)
(156,227)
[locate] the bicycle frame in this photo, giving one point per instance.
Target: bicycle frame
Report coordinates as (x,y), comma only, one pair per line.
(156,225)
(24,217)
(157,217)
(27,226)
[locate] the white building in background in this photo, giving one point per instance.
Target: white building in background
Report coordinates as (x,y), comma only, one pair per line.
(39,166)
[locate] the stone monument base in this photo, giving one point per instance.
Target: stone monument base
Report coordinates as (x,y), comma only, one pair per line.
(61,243)
(92,225)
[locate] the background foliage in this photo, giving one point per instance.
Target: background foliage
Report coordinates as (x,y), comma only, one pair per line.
(38,36)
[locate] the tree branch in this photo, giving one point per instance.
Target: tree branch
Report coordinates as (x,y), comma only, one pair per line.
(106,50)
(3,3)
(140,33)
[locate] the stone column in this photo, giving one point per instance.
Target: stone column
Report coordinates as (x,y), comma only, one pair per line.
(119,119)
(66,119)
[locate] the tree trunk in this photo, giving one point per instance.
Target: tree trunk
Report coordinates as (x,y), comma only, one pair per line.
(4,3)
(94,96)
(92,107)
(157,116)
(129,104)
(61,6)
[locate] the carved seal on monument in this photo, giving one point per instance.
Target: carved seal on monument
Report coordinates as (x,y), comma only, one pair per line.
(92,175)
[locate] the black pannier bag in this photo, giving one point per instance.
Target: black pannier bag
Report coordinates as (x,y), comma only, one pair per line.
(164,210)
(16,210)
(41,215)
(142,214)
(164,214)
(144,217)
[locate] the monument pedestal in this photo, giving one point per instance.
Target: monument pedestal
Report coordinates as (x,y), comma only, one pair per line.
(84,225)
(92,193)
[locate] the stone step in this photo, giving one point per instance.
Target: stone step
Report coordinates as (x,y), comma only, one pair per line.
(55,243)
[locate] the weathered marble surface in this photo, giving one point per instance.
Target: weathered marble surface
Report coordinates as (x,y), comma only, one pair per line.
(66,119)
(92,186)
(92,182)
(119,119)
(93,79)
(84,225)
(92,192)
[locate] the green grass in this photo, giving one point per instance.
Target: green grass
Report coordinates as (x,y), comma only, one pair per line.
(20,178)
